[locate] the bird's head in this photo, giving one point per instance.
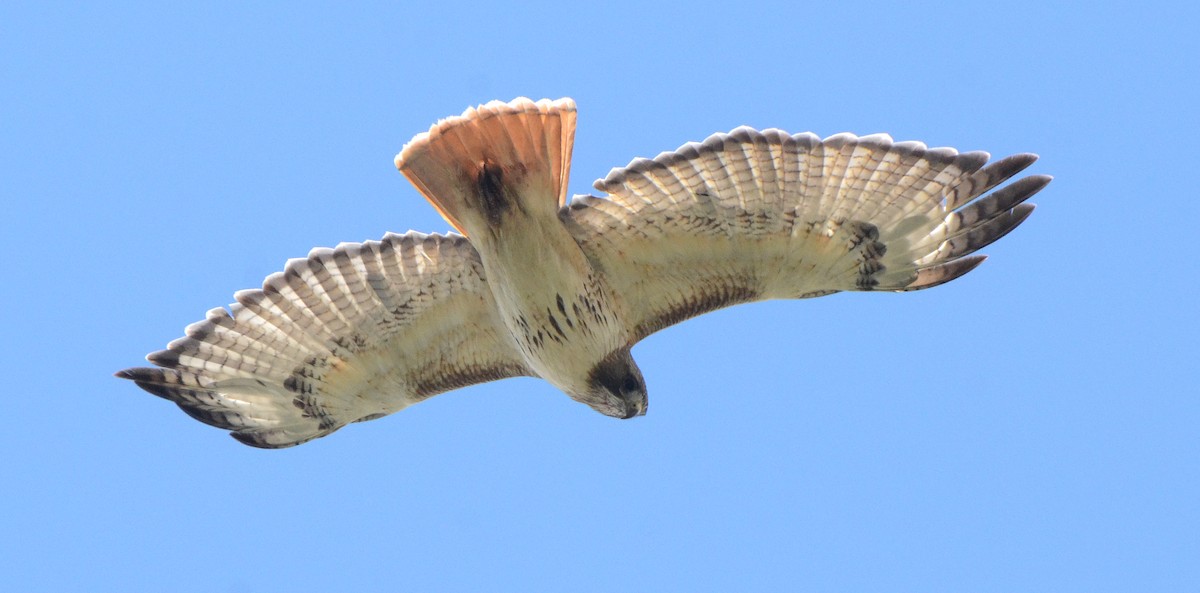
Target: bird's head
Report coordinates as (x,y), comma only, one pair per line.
(615,387)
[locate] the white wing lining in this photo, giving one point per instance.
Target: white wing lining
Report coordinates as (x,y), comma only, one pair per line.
(753,215)
(344,335)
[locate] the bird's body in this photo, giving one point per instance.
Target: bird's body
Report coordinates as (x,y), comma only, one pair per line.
(496,180)
(562,291)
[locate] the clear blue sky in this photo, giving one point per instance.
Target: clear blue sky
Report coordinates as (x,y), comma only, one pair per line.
(1034,426)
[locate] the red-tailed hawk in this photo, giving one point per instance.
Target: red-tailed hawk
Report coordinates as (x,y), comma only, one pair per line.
(540,286)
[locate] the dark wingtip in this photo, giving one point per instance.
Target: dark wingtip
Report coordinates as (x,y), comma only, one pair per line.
(150,380)
(944,272)
(256,440)
(164,358)
(249,440)
(138,374)
(1016,163)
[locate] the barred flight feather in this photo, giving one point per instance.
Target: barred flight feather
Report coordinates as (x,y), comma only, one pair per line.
(761,215)
(346,334)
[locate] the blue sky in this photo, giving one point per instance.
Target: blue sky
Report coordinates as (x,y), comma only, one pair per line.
(1032,426)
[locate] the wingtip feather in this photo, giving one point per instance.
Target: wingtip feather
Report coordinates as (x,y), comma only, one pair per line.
(944,272)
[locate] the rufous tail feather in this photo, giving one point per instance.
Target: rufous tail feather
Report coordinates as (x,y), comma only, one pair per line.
(474,166)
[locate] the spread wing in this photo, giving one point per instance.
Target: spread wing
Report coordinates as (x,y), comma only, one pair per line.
(345,335)
(752,215)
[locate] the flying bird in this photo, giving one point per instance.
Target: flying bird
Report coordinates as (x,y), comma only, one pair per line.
(536,285)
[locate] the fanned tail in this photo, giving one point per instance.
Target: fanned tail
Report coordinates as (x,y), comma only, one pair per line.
(476,167)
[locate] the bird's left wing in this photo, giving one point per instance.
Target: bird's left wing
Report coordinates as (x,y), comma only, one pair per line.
(752,215)
(345,335)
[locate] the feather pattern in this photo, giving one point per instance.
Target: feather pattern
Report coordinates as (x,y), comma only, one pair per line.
(359,331)
(530,142)
(753,215)
(346,334)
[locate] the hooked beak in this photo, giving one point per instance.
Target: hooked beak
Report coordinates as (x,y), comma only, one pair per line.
(633,408)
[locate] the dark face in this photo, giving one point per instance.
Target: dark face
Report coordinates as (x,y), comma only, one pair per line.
(617,387)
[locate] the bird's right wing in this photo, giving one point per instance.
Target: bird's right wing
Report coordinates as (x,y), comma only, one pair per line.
(345,335)
(752,215)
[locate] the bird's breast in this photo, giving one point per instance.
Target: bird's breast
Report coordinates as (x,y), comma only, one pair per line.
(555,304)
